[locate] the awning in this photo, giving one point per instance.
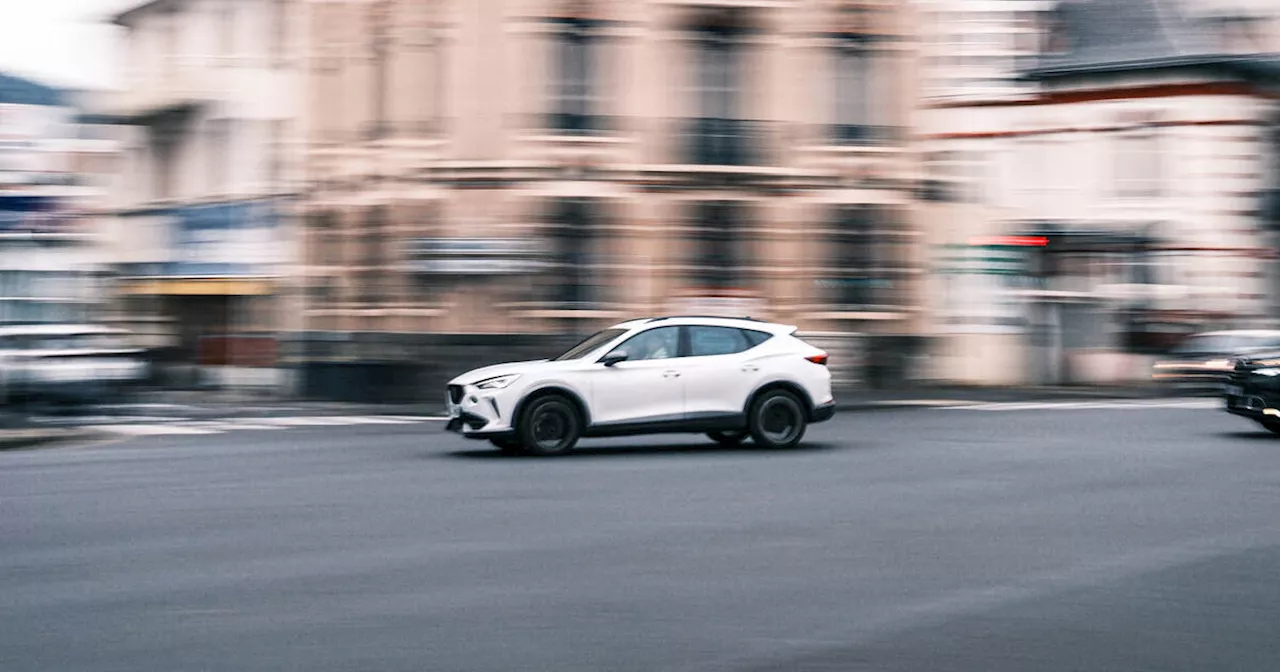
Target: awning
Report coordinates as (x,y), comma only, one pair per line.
(199,287)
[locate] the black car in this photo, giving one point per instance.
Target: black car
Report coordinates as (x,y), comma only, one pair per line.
(1253,389)
(1202,363)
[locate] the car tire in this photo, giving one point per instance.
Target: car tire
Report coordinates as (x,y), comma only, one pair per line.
(1273,427)
(508,446)
(777,420)
(728,439)
(550,426)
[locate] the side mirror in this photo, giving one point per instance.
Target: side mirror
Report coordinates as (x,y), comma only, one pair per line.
(614,357)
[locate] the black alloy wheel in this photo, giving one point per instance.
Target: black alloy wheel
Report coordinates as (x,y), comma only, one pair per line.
(777,420)
(729,439)
(551,426)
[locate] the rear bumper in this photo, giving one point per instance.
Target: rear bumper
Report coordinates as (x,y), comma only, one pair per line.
(823,413)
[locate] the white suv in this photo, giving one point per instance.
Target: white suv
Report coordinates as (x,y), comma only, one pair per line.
(727,378)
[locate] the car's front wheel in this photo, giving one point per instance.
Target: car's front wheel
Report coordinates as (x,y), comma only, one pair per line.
(728,439)
(777,420)
(1272,426)
(550,426)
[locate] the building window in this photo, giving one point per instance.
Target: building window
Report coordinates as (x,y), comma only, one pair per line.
(854,97)
(375,233)
(279,32)
(865,270)
(279,149)
(573,241)
(575,89)
(219,154)
(1138,164)
(716,251)
(720,136)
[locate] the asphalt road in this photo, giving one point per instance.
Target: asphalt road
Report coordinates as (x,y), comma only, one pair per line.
(922,540)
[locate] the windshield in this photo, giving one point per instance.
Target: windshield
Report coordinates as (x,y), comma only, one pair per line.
(1224,344)
(594,341)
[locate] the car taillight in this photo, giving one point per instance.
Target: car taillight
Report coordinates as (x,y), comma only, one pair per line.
(818,359)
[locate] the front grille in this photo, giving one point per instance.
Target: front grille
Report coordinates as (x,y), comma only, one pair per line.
(455,393)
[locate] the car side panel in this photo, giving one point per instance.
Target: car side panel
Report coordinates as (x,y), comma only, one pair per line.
(643,391)
(719,384)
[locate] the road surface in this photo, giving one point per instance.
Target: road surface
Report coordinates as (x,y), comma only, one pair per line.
(1001,538)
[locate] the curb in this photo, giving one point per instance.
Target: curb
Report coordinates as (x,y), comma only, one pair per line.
(26,439)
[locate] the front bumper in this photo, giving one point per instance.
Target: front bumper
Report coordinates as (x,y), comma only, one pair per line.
(477,414)
(1253,403)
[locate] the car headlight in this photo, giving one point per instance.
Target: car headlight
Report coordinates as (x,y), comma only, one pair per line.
(1270,372)
(497,383)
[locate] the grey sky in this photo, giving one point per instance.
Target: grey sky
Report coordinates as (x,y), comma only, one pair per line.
(65,43)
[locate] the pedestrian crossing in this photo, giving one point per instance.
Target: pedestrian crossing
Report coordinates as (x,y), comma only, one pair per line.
(1102,404)
(192,427)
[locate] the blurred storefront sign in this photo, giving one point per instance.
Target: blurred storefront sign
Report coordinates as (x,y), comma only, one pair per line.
(986,257)
(222,240)
(477,256)
(25,213)
(200,287)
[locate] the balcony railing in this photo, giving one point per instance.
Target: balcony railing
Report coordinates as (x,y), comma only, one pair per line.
(572,123)
(862,134)
(723,142)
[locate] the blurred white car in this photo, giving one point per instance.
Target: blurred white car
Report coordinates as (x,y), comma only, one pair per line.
(728,378)
(67,362)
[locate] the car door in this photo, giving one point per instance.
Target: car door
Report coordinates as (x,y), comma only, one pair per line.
(647,387)
(718,372)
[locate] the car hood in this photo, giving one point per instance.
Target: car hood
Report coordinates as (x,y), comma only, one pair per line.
(530,368)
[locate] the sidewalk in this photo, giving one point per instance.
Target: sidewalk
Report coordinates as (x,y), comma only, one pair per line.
(926,396)
(16,433)
(229,404)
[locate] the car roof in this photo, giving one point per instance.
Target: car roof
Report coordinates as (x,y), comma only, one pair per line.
(708,320)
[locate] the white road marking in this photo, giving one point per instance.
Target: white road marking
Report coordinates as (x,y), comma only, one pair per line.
(138,426)
(1117,404)
(152,430)
(303,421)
(229,425)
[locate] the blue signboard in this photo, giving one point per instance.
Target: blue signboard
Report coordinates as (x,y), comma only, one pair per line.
(221,240)
(25,213)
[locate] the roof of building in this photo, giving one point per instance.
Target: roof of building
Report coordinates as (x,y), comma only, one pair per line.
(19,91)
(1128,35)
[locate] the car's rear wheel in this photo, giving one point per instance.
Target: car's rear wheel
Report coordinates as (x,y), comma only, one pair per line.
(550,426)
(508,446)
(777,420)
(728,439)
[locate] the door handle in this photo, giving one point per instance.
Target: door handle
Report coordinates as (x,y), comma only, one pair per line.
(671,374)
(750,367)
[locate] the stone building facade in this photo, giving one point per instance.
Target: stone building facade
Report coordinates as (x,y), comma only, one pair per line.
(510,174)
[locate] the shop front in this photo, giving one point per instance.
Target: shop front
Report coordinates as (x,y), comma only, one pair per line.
(215,294)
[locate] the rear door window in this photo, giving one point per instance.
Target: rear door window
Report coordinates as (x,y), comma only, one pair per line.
(755,338)
(713,341)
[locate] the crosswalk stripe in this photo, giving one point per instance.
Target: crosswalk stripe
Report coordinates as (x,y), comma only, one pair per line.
(1117,404)
(152,430)
(303,421)
(143,426)
(229,425)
